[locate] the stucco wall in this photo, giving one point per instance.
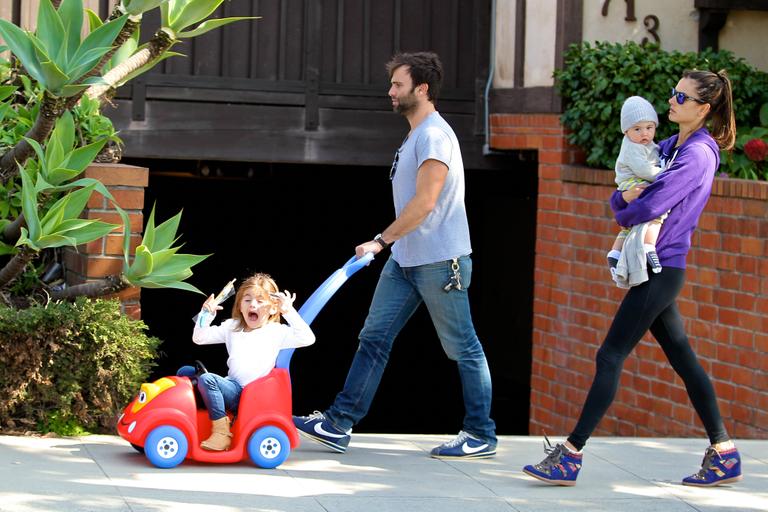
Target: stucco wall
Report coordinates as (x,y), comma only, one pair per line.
(745,33)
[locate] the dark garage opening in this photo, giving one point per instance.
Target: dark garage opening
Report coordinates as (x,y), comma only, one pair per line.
(299,223)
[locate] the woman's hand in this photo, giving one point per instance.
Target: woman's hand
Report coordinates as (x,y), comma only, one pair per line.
(633,193)
(285,300)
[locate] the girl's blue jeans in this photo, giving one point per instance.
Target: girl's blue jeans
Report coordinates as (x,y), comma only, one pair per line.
(220,394)
(399,292)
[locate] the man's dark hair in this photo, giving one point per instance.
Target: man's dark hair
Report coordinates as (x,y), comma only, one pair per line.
(424,68)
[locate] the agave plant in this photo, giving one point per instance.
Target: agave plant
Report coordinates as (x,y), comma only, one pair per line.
(156,263)
(177,17)
(57,58)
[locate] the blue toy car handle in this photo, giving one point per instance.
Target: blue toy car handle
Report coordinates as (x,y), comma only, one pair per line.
(321,296)
(354,264)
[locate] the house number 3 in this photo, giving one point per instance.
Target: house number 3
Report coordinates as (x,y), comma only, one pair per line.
(651,21)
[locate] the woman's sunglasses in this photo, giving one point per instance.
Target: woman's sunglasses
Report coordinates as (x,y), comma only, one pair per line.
(681,97)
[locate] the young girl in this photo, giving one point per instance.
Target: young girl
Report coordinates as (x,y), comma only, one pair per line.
(254,336)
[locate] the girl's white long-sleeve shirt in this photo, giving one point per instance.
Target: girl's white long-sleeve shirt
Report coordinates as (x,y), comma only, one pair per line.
(253,354)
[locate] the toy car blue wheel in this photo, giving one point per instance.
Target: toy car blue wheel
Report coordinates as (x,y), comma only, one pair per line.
(269,447)
(166,447)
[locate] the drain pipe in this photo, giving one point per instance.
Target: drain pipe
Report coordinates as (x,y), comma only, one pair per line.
(491,70)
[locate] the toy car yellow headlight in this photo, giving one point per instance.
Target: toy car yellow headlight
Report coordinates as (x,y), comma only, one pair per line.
(149,391)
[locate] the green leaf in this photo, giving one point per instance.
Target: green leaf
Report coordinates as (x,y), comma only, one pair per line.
(126,237)
(165,234)
(72,89)
(165,14)
(69,206)
(77,201)
(102,39)
(178,263)
(148,240)
(50,31)
(38,150)
(85,182)
(142,263)
(61,174)
(6,90)
(161,258)
(86,61)
(94,21)
(84,232)
(193,12)
(20,44)
(209,25)
(141,6)
(29,204)
(71,14)
(25,240)
(55,79)
(178,285)
(81,158)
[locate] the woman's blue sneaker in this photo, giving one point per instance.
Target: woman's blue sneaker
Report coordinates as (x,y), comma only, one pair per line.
(717,468)
(464,446)
(560,467)
(317,428)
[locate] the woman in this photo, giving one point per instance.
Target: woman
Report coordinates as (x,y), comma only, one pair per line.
(690,160)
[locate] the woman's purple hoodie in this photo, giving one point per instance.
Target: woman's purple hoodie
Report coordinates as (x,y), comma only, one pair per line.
(682,189)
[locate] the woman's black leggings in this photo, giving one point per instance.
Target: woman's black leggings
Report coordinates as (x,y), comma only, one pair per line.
(650,305)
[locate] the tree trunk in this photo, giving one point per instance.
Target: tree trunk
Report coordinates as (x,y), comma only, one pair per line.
(106,286)
(12,231)
(159,44)
(51,108)
(16,265)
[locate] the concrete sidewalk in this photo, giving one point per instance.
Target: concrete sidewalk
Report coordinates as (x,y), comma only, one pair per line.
(380,473)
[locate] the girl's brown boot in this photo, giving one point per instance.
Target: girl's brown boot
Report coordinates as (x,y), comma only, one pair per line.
(220,438)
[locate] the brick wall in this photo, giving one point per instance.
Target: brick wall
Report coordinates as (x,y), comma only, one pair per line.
(104,257)
(724,301)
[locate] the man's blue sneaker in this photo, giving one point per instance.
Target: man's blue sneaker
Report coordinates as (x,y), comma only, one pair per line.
(317,428)
(717,468)
(464,446)
(560,467)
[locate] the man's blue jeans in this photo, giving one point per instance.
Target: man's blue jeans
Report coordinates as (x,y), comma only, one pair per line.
(399,292)
(220,394)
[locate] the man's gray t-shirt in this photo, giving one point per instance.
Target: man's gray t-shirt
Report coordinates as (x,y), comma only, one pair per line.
(444,234)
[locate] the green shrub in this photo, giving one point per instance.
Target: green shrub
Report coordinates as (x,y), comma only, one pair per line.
(596,80)
(70,367)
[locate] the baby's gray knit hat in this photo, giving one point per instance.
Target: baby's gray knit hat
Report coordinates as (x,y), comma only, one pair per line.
(636,109)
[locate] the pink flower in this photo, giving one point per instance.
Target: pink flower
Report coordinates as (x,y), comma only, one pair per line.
(756,150)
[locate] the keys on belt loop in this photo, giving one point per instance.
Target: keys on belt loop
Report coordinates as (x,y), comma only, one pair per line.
(455,281)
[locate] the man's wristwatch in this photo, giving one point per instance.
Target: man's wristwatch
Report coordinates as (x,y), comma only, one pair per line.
(381,242)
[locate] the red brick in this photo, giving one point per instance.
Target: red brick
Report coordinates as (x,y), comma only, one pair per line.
(129,198)
(102,267)
(119,174)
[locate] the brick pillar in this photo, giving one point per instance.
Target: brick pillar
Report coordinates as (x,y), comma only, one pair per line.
(104,257)
(724,302)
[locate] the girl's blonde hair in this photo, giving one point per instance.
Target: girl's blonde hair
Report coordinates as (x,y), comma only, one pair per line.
(260,285)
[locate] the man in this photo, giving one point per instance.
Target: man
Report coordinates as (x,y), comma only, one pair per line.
(430,263)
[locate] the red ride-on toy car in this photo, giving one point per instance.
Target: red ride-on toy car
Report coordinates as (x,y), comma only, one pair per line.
(165,422)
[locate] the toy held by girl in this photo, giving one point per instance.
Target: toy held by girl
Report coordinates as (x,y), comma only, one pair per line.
(637,165)
(254,336)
